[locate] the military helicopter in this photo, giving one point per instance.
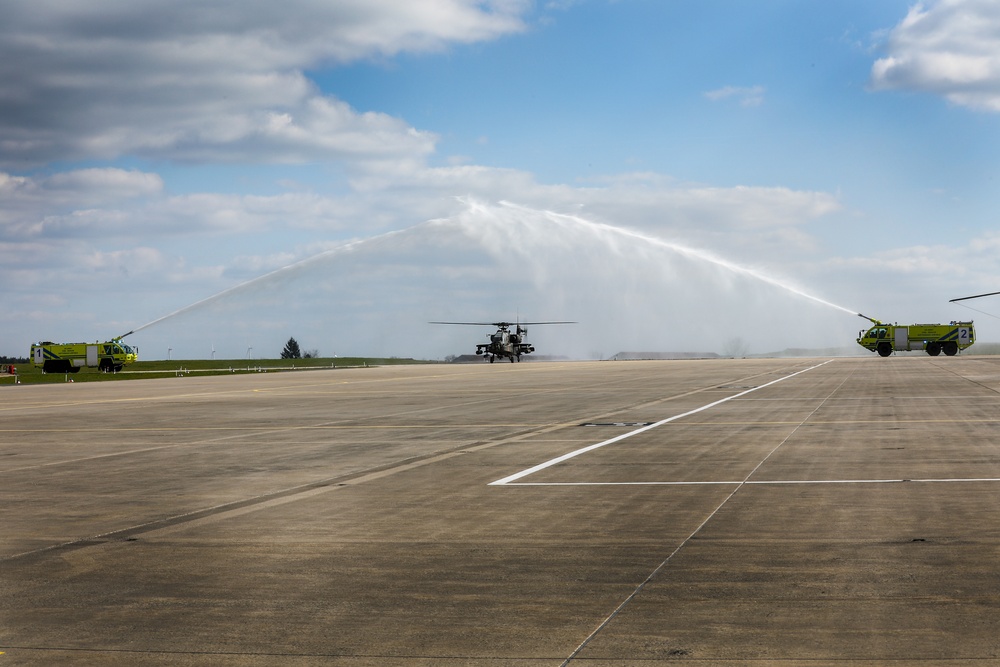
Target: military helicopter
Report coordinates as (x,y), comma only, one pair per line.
(504,343)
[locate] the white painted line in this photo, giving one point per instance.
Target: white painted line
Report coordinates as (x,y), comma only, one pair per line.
(624,483)
(589,448)
(872,481)
(765,482)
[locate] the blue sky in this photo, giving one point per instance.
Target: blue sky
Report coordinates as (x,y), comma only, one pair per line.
(622,162)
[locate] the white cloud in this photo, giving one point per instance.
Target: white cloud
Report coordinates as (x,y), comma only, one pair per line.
(122,263)
(214,82)
(109,182)
(70,203)
(109,201)
(949,48)
(752,96)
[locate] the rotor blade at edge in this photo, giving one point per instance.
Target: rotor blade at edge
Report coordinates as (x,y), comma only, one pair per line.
(977,296)
(497,324)
(471,324)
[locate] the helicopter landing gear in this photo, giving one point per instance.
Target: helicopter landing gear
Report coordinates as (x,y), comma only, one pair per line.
(492,358)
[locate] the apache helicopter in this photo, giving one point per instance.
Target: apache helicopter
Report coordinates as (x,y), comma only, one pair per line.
(505,343)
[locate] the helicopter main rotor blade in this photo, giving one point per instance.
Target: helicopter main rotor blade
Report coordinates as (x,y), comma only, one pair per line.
(471,324)
(500,324)
(537,323)
(977,296)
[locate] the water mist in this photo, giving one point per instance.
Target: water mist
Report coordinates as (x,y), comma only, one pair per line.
(490,262)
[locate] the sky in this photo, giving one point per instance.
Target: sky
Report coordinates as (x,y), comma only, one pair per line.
(711,176)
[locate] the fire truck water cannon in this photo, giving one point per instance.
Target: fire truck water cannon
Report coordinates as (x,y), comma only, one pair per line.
(870,319)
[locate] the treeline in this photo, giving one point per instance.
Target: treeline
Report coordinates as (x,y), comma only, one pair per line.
(13,360)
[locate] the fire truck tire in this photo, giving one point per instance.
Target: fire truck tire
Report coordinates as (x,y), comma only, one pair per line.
(951,348)
(934,349)
(884,349)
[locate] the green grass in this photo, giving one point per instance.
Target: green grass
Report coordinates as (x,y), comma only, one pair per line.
(28,374)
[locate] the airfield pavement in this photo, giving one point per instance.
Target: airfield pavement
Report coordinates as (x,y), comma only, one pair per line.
(712,512)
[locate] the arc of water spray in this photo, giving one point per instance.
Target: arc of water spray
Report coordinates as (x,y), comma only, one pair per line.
(291,268)
(697,254)
(736,268)
(621,231)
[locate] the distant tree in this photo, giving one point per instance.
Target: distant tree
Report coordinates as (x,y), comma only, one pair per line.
(310,354)
(291,350)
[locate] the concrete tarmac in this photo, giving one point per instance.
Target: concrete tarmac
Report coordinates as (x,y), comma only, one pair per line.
(715,512)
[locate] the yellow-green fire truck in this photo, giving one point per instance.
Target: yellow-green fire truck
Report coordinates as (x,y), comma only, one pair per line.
(110,356)
(932,338)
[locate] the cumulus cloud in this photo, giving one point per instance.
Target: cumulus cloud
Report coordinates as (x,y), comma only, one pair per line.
(221,81)
(106,182)
(751,96)
(765,222)
(68,203)
(121,263)
(949,48)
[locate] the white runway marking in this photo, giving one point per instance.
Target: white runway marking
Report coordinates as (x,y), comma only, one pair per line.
(764,482)
(623,436)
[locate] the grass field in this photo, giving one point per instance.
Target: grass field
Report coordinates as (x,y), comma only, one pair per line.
(28,374)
